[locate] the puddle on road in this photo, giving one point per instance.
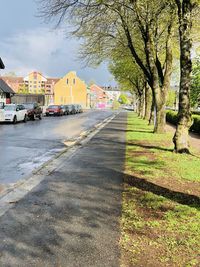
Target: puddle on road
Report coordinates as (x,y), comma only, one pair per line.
(30,166)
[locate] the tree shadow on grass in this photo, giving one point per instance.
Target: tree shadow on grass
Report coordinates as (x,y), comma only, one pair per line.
(115,128)
(179,197)
(141,131)
(150,147)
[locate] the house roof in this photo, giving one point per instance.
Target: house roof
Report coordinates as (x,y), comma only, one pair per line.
(12,79)
(1,64)
(5,88)
(52,80)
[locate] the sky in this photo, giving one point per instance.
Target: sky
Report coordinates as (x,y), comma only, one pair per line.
(28,44)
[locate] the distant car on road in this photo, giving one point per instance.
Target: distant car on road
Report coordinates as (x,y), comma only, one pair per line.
(54,110)
(33,110)
(128,107)
(14,113)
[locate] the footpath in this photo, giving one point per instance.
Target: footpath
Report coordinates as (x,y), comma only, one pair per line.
(71,218)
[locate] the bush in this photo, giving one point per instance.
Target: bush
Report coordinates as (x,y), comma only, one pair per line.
(196,124)
(116,105)
(196,112)
(171,117)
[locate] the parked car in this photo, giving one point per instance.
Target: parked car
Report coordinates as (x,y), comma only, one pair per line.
(65,109)
(33,110)
(74,109)
(14,113)
(54,110)
(80,110)
(69,109)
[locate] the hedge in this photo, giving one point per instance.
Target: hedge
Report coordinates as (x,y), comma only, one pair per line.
(171,117)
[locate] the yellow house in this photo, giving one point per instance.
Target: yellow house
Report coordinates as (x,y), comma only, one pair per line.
(70,90)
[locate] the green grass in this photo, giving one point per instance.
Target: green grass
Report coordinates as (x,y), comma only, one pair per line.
(160,219)
(183,166)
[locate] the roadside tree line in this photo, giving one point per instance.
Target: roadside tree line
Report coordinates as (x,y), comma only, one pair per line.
(139,39)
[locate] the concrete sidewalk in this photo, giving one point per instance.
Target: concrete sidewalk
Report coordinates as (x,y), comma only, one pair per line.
(72,217)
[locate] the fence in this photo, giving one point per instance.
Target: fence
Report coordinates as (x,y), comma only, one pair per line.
(28,98)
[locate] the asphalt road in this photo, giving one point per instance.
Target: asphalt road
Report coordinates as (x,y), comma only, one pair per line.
(25,146)
(71,219)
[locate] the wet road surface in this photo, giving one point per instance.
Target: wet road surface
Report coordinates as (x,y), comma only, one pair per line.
(24,147)
(71,219)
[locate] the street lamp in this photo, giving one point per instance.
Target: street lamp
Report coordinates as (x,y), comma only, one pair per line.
(1,64)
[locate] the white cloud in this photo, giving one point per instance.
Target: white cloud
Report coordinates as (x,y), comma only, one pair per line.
(35,49)
(49,52)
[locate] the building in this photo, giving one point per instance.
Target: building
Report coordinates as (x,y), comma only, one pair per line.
(16,83)
(5,93)
(113,94)
(99,98)
(70,90)
(49,90)
(35,83)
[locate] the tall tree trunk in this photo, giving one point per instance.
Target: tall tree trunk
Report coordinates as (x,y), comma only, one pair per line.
(151,119)
(137,106)
(160,122)
(141,106)
(148,102)
(181,137)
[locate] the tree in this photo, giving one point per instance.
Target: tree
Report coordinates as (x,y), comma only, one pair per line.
(130,77)
(181,137)
(195,86)
(10,74)
(171,99)
(23,89)
(123,99)
(106,24)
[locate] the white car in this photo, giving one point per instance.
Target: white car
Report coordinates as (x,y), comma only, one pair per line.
(15,113)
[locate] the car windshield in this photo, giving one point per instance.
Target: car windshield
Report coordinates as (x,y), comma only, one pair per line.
(53,106)
(28,105)
(10,107)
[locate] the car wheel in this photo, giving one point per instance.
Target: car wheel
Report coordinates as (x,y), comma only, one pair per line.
(40,117)
(14,120)
(25,119)
(33,117)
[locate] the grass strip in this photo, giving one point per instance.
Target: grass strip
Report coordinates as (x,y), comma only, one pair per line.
(161,205)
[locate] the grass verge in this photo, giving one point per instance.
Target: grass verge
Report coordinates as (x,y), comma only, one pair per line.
(161,205)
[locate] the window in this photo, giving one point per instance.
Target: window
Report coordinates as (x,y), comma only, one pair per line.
(34,86)
(74,81)
(67,81)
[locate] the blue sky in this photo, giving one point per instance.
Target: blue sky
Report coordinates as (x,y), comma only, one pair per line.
(28,44)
